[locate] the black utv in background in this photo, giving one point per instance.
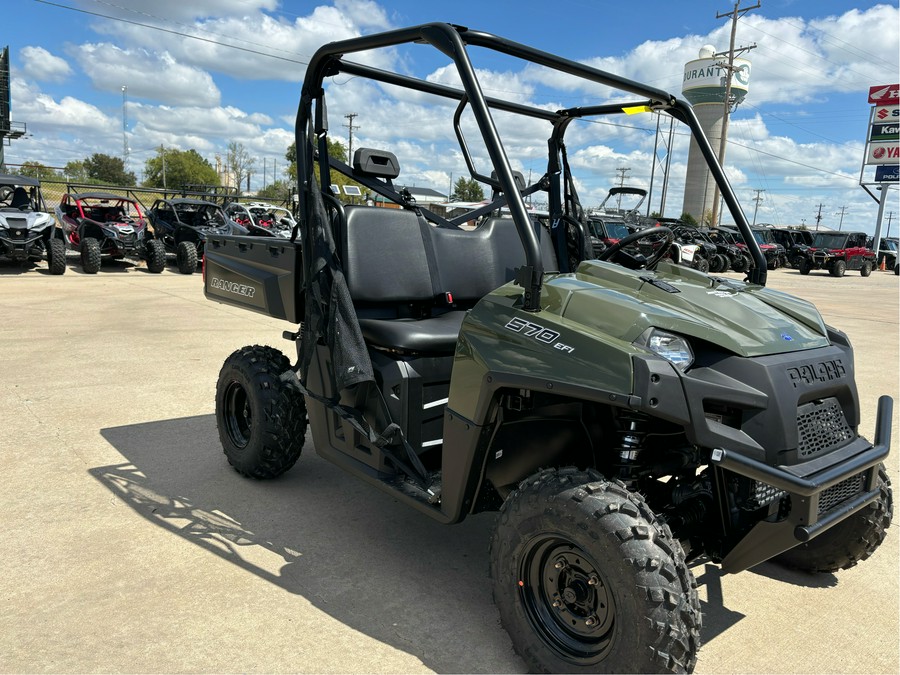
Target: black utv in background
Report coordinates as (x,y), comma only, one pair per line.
(182,226)
(796,244)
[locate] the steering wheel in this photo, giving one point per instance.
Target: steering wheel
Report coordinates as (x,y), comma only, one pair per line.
(654,259)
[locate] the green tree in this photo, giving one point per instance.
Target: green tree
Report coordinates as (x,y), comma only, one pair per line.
(336,149)
(174,168)
(688,219)
(279,191)
(75,171)
(467,190)
(37,170)
(108,169)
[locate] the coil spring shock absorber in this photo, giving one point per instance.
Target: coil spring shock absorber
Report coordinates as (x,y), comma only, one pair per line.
(632,433)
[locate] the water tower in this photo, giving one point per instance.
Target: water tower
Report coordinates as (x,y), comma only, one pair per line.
(705,82)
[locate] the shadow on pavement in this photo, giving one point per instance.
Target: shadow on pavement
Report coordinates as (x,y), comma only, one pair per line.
(354,552)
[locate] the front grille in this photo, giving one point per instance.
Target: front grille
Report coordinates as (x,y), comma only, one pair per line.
(841,492)
(822,426)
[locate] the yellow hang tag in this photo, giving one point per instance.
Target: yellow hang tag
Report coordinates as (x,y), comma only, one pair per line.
(634,110)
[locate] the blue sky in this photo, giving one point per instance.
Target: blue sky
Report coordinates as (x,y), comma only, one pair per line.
(799,136)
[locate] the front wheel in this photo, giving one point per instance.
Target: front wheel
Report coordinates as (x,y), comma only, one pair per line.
(866,269)
(90,255)
(586,579)
(838,268)
(701,265)
(186,257)
(261,419)
(56,257)
(156,256)
(804,266)
(850,541)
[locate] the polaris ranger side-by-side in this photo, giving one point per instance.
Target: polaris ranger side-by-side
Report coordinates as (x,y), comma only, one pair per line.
(625,415)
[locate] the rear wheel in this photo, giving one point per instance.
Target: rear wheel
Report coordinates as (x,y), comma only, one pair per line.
(848,542)
(90,255)
(156,256)
(838,268)
(261,419)
(586,579)
(186,257)
(56,257)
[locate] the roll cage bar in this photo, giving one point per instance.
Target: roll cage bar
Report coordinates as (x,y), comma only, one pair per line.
(452,40)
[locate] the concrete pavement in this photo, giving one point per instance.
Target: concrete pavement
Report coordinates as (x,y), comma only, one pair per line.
(130,545)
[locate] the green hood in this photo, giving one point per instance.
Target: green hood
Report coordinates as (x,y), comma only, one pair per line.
(741,318)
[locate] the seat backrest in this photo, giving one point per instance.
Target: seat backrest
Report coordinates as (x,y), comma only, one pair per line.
(471,264)
(384,257)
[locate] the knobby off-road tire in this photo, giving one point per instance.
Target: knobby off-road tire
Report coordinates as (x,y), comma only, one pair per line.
(261,419)
(156,256)
(850,541)
(838,268)
(56,257)
(702,265)
(866,269)
(740,264)
(804,266)
(586,579)
(90,255)
(186,257)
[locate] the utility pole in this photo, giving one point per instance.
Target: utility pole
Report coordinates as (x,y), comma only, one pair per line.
(841,222)
(735,14)
(162,152)
(757,199)
(350,129)
(819,216)
(124,126)
(622,170)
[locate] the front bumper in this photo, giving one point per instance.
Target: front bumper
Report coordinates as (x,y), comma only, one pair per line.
(823,492)
(21,247)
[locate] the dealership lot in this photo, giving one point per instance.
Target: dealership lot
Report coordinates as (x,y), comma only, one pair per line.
(130,545)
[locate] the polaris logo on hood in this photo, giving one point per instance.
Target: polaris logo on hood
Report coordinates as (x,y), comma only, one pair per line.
(232,287)
(825,371)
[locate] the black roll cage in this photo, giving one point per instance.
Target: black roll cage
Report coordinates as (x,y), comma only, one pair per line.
(452,40)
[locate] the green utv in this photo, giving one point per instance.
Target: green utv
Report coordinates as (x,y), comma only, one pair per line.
(625,415)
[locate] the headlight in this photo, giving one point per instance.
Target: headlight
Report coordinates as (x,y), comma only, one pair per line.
(673,348)
(111,233)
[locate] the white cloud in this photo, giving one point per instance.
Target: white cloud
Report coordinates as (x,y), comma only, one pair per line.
(41,65)
(157,76)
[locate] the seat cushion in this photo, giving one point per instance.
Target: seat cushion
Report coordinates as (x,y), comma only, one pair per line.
(435,335)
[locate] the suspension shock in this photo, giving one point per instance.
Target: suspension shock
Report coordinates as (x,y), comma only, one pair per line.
(632,434)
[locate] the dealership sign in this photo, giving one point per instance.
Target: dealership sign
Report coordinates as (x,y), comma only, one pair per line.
(883,153)
(885,94)
(887,173)
(884,132)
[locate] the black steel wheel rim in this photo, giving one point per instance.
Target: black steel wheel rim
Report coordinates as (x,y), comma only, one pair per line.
(238,415)
(567,600)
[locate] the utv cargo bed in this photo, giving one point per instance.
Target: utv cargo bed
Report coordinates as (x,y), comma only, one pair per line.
(257,273)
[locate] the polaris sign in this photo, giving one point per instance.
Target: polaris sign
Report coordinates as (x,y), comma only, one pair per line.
(887,173)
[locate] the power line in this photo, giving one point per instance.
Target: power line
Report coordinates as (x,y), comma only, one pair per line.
(170,31)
